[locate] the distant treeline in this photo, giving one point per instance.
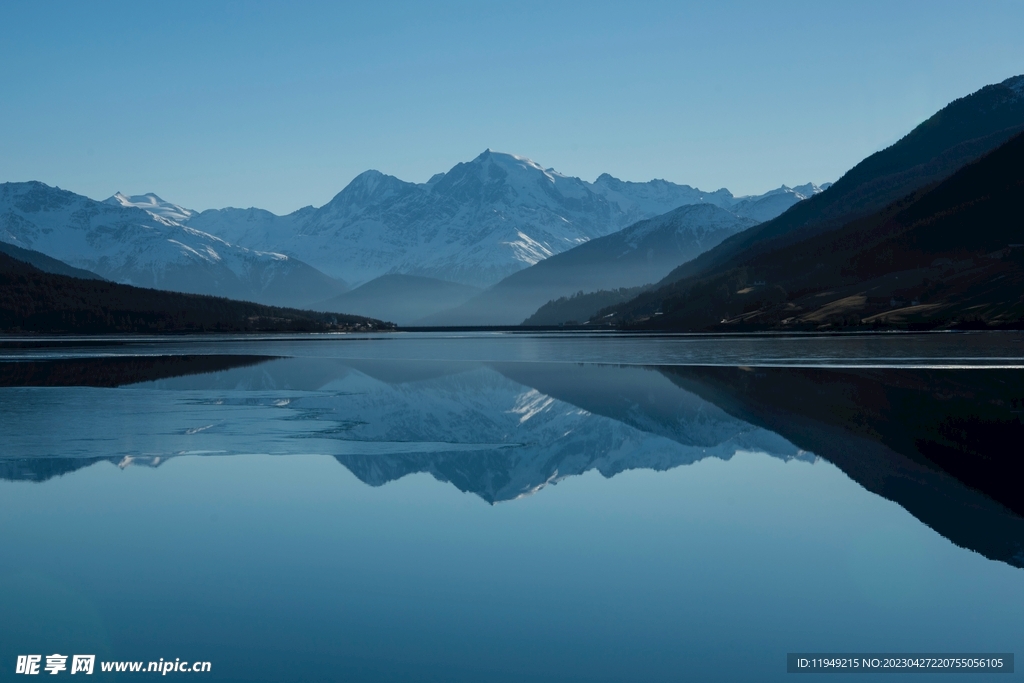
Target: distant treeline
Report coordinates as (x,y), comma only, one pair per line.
(35,301)
(116,371)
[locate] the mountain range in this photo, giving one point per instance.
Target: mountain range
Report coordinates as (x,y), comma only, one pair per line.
(476,224)
(129,245)
(527,235)
(472,226)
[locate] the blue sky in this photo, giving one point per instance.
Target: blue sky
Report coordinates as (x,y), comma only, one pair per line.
(279,105)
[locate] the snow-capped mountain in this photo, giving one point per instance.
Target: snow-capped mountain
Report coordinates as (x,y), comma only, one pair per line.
(774,203)
(476,224)
(644,200)
(154,205)
(253,228)
(128,244)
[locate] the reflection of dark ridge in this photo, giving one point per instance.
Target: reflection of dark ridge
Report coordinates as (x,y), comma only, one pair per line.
(115,372)
(42,469)
(945,445)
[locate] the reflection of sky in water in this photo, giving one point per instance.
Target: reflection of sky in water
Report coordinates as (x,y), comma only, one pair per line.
(291,569)
(679,567)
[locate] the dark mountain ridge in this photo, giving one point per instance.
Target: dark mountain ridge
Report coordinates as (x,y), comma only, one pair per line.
(943,255)
(946,257)
(116,372)
(46,263)
(32,300)
(960,132)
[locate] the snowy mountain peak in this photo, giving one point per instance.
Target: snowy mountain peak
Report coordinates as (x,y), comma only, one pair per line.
(153,204)
(369,188)
(1016,84)
(479,222)
(511,164)
(497,179)
(364,184)
(509,160)
(807,190)
(644,200)
(800,191)
(368,179)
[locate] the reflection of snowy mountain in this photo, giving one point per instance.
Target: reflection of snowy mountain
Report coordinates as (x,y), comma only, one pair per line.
(479,427)
(501,438)
(528,439)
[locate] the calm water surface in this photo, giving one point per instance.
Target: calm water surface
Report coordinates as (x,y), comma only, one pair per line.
(510,507)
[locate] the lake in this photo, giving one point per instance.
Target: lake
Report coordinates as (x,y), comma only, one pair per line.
(510,507)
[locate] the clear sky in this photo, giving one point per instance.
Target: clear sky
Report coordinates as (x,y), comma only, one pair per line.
(279,105)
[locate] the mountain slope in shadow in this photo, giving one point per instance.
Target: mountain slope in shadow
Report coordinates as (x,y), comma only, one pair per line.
(32,300)
(637,255)
(959,133)
(943,257)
